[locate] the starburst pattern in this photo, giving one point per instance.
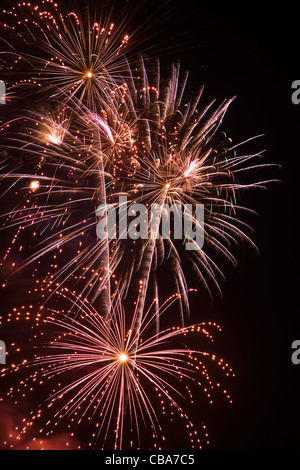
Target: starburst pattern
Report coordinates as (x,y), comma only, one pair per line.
(99,377)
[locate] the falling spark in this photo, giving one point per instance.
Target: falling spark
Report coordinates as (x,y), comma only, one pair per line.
(34,185)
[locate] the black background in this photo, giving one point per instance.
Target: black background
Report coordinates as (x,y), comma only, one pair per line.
(249,52)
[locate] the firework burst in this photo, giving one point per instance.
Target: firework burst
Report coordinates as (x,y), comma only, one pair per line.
(102,381)
(153,146)
(178,158)
(63,53)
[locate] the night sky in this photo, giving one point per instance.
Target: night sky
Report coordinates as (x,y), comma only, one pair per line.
(251,53)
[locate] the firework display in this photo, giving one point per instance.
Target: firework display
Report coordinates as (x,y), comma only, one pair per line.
(107,357)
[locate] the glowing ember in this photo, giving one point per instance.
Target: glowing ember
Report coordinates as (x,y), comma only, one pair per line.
(34,185)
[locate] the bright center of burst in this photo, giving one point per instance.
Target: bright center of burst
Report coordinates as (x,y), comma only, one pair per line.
(34,185)
(123,357)
(168,185)
(89,74)
(54,138)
